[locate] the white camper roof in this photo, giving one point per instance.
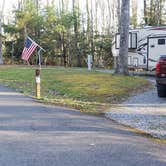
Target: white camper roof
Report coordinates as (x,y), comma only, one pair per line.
(155,30)
(158,35)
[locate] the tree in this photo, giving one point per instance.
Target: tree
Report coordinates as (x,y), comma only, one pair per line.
(124,35)
(154,12)
(145,12)
(134,14)
(66,30)
(76,16)
(92,33)
(1,15)
(118,13)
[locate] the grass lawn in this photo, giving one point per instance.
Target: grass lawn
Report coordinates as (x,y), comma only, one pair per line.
(91,92)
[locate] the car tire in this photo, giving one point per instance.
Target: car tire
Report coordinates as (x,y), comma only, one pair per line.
(161,90)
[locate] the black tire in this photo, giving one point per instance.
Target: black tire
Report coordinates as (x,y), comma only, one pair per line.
(161,90)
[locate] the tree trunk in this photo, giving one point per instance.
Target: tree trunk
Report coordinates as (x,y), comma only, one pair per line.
(157,12)
(110,18)
(64,51)
(96,16)
(124,35)
(1,58)
(145,13)
(151,13)
(160,11)
(116,58)
(134,14)
(92,35)
(119,13)
(1,16)
(75,15)
(88,23)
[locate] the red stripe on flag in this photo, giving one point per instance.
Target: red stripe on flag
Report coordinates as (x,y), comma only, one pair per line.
(28,50)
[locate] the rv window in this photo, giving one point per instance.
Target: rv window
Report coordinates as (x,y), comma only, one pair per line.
(161,41)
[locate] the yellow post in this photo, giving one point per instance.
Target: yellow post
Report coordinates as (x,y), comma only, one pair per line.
(38,83)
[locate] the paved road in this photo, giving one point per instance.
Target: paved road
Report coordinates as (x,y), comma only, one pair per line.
(33,134)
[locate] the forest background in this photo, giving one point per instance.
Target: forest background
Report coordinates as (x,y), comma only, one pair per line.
(69,30)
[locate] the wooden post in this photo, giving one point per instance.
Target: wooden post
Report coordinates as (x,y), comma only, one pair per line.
(37,83)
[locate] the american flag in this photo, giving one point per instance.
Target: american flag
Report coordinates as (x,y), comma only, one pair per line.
(29,48)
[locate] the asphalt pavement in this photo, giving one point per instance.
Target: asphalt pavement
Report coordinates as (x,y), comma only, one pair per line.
(34,134)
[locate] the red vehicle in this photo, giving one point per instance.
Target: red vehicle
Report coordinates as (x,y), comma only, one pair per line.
(161,76)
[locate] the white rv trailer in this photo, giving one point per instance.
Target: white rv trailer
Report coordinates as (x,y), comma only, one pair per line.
(145,47)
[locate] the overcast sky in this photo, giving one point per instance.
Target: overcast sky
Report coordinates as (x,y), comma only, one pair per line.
(10,4)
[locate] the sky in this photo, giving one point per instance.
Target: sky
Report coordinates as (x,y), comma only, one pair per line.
(10,4)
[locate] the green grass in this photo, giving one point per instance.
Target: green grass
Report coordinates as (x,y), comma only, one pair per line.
(76,88)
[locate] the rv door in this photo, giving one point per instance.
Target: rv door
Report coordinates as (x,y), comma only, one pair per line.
(156,48)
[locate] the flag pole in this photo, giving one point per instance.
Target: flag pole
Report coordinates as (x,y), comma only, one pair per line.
(37,44)
(39,55)
(39,52)
(27,56)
